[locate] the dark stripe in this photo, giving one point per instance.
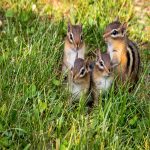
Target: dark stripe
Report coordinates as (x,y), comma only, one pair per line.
(136,51)
(128,61)
(134,44)
(138,62)
(91,66)
(133,57)
(138,57)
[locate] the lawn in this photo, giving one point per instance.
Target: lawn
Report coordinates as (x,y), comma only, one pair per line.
(34,109)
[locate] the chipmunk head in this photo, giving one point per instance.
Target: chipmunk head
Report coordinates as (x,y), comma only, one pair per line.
(74,36)
(80,71)
(115,31)
(115,37)
(103,65)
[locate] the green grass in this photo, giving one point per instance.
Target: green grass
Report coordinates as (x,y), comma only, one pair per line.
(34,107)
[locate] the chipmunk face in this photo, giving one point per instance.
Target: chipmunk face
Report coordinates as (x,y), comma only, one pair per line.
(80,71)
(75,36)
(103,66)
(114,31)
(115,37)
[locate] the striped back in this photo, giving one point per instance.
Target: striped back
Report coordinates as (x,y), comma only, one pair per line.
(126,52)
(133,60)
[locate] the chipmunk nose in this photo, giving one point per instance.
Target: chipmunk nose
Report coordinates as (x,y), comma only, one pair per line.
(109,72)
(105,37)
(77,46)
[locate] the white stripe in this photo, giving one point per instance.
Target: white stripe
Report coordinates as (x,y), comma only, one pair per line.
(131,60)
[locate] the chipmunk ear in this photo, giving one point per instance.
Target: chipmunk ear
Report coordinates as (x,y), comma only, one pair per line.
(80,25)
(87,65)
(69,25)
(98,52)
(124,27)
(116,19)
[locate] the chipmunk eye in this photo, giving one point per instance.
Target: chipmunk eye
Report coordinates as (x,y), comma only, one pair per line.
(71,36)
(115,32)
(82,71)
(101,64)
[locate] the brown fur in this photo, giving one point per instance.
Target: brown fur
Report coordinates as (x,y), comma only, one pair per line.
(75,78)
(113,25)
(73,46)
(76,31)
(98,75)
(121,46)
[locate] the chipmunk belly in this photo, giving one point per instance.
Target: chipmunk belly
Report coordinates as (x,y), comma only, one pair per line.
(71,55)
(104,83)
(114,55)
(110,51)
(77,90)
(121,69)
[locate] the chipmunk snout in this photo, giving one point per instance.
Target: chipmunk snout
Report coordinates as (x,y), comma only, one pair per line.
(77,46)
(105,36)
(106,39)
(108,72)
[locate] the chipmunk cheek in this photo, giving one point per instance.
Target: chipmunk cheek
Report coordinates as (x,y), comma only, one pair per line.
(106,39)
(109,40)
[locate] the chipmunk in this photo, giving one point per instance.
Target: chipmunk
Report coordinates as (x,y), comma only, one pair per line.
(79,79)
(123,52)
(102,77)
(73,44)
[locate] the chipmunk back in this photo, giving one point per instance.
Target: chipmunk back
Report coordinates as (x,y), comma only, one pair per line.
(73,44)
(123,52)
